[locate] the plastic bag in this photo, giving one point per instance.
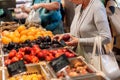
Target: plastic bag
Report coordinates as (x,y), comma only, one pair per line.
(33,17)
(110,66)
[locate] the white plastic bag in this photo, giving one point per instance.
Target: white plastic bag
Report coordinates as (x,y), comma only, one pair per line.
(110,66)
(33,17)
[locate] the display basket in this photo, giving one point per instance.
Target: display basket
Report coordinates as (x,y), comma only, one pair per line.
(9,26)
(32,70)
(91,72)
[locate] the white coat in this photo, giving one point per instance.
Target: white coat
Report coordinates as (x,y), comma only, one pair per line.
(90,23)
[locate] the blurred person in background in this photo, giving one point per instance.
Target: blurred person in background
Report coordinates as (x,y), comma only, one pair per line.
(21,16)
(49,10)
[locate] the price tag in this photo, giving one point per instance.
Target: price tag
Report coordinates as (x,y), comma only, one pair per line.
(59,63)
(16,68)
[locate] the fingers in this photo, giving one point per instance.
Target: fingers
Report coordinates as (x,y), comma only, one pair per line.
(58,37)
(72,42)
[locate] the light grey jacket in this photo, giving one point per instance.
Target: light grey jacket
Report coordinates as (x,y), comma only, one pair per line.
(90,23)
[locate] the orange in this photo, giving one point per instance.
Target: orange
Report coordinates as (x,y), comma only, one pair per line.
(31,33)
(37,30)
(36,36)
(16,40)
(24,32)
(32,27)
(23,38)
(5,33)
(21,28)
(16,33)
(6,40)
(30,37)
(11,35)
(39,33)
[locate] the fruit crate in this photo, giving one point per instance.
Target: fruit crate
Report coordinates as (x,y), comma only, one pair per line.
(10,26)
(75,70)
(32,70)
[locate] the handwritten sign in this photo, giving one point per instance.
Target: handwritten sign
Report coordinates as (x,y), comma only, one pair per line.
(59,63)
(16,68)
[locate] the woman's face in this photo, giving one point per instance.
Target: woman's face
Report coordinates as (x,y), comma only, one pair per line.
(77,1)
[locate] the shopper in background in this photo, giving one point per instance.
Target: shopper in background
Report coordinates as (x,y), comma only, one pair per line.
(19,15)
(90,20)
(50,15)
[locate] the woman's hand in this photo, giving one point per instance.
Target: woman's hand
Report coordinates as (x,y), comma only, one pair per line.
(73,41)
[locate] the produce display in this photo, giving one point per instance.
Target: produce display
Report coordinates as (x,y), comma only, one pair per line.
(42,42)
(76,68)
(22,34)
(34,54)
(35,45)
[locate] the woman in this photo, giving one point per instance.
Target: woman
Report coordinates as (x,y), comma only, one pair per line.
(50,15)
(90,20)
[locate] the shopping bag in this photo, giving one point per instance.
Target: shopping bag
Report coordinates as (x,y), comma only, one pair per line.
(33,17)
(91,58)
(94,57)
(115,20)
(108,63)
(110,66)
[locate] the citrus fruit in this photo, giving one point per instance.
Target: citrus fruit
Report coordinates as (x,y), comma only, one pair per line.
(6,40)
(21,28)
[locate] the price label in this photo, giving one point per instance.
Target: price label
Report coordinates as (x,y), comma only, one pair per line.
(16,68)
(59,63)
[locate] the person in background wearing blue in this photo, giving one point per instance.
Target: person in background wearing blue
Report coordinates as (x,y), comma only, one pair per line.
(49,10)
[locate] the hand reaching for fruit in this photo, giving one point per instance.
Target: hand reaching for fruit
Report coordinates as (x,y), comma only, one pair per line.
(65,37)
(69,39)
(73,41)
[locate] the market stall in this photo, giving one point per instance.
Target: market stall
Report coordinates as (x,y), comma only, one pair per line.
(28,51)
